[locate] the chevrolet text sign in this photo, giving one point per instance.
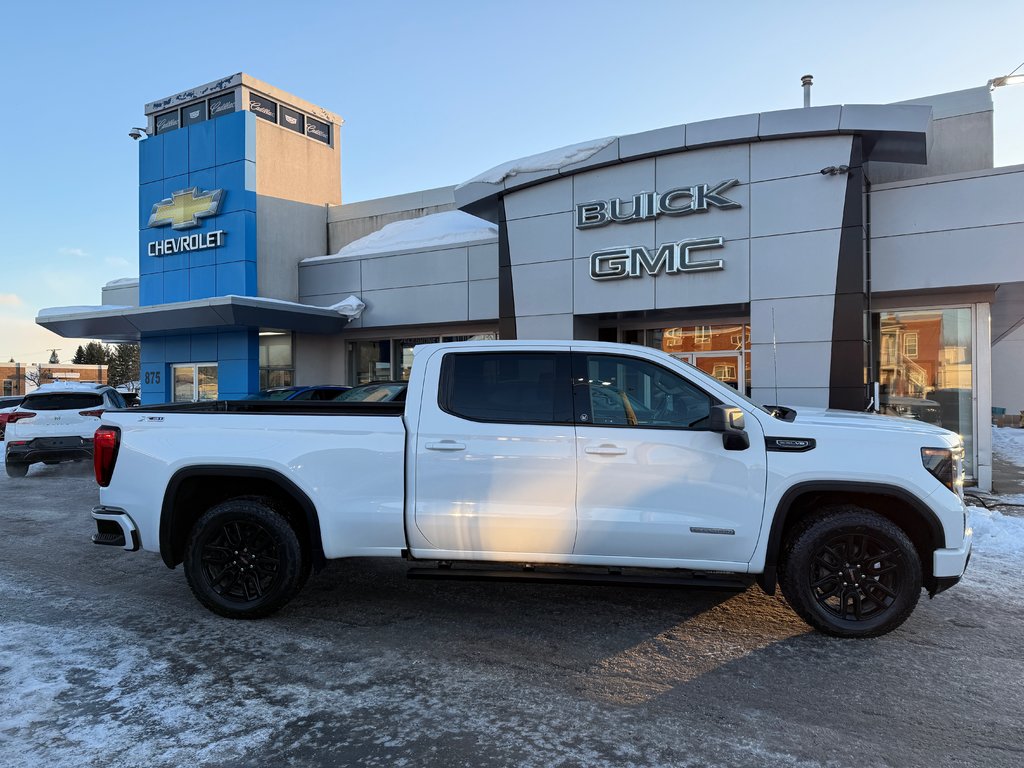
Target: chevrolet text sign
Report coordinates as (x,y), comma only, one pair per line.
(671,258)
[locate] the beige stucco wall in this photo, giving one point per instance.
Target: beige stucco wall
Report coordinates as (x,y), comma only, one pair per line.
(294,167)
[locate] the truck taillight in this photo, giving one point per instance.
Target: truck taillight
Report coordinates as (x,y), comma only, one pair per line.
(15,416)
(104,453)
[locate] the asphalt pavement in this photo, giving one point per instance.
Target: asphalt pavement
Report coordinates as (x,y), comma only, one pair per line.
(107,660)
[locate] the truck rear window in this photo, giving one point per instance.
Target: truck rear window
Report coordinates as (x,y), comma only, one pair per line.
(62,401)
(510,387)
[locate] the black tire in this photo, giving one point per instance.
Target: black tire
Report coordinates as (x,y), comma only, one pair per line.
(849,572)
(243,560)
(16,469)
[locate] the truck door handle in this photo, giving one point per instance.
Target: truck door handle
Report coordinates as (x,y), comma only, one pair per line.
(446,445)
(605,450)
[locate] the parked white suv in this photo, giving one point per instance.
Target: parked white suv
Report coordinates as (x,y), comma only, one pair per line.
(56,423)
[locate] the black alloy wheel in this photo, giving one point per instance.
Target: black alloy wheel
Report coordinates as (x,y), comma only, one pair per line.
(855,576)
(243,559)
(849,572)
(240,561)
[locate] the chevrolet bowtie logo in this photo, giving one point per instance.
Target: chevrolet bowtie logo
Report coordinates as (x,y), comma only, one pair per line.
(185,208)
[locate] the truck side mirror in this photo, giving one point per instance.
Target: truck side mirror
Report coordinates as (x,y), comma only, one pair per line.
(729,422)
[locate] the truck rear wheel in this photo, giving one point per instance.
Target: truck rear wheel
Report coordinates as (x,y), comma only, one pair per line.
(243,560)
(851,573)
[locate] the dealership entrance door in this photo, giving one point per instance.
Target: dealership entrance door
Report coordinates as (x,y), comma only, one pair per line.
(194,382)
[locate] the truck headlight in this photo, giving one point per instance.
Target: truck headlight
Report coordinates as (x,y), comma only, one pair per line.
(944,464)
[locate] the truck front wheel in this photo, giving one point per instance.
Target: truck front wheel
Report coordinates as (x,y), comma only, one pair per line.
(851,573)
(243,560)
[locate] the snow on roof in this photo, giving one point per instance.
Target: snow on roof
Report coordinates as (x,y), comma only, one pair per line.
(122,281)
(53,311)
(437,230)
(545,161)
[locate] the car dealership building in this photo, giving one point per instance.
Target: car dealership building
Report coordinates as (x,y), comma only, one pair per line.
(855,256)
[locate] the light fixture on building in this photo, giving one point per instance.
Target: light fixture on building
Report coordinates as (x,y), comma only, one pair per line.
(999,82)
(1011,79)
(833,170)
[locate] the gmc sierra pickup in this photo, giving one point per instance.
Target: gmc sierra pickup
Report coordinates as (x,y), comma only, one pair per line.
(583,461)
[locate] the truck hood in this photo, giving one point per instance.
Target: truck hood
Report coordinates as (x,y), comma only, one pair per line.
(821,417)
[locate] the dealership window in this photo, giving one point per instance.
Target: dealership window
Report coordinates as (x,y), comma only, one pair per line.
(721,350)
(194,382)
(925,365)
(277,368)
(8,387)
(391,359)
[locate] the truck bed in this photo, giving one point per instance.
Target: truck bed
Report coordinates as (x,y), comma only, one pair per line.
(278,408)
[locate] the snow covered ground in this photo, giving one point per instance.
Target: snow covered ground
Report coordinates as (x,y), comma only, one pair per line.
(998,557)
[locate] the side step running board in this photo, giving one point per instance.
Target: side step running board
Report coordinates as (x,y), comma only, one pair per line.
(736,583)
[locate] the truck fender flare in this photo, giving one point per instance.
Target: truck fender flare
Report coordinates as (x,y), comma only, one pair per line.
(768,579)
(306,507)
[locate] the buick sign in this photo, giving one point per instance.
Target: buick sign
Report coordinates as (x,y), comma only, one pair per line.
(668,258)
(645,206)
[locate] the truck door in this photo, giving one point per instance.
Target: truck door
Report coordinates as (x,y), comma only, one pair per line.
(653,481)
(496,457)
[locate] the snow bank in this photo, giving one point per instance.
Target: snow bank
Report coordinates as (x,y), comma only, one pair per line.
(122,281)
(437,230)
(551,160)
(996,533)
(53,311)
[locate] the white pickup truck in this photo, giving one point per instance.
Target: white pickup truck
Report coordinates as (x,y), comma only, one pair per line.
(578,461)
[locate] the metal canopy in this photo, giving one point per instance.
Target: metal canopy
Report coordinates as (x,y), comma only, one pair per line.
(129,323)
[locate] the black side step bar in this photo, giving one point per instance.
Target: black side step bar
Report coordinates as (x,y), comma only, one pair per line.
(737,583)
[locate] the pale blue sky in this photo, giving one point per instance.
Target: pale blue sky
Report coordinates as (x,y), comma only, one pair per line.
(432,93)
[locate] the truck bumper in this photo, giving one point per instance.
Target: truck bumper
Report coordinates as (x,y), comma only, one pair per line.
(948,565)
(115,528)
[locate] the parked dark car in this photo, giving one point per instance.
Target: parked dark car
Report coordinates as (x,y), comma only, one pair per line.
(319,392)
(375,392)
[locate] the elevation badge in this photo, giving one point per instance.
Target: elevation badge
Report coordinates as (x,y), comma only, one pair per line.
(185,208)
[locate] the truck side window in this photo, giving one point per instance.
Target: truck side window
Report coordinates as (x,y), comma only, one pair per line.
(511,387)
(629,392)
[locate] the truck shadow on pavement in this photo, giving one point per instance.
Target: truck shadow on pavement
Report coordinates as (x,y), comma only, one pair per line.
(619,645)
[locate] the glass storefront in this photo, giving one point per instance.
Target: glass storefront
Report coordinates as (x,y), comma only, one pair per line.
(391,359)
(925,364)
(722,351)
(276,365)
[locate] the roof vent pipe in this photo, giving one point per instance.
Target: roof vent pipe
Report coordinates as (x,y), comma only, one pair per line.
(806,81)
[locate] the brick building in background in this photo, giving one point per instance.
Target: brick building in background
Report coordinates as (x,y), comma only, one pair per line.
(22,378)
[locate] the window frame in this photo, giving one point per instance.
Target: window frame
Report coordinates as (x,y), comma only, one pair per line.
(446,383)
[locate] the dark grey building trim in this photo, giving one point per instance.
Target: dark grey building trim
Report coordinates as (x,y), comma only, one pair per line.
(849,342)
